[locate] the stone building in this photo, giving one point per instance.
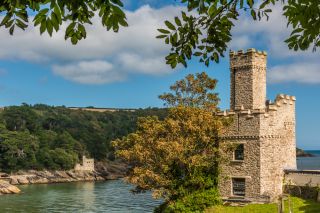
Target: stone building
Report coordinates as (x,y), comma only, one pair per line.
(87,165)
(262,131)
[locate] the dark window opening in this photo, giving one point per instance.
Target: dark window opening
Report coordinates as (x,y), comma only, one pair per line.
(238,186)
(239,152)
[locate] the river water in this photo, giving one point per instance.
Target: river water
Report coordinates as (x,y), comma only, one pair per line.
(309,163)
(108,196)
(86,197)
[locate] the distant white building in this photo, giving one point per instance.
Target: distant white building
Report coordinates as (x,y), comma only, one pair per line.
(87,165)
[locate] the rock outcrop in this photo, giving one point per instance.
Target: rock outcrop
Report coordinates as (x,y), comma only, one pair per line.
(108,170)
(302,153)
(6,188)
(111,170)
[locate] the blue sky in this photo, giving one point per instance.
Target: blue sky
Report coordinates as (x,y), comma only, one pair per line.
(127,70)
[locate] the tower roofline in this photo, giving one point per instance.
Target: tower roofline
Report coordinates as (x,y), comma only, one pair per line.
(249,51)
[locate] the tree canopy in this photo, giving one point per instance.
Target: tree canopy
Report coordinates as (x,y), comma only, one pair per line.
(193,91)
(204,32)
(45,137)
(178,157)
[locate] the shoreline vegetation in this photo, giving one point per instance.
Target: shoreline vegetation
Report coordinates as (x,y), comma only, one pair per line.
(107,170)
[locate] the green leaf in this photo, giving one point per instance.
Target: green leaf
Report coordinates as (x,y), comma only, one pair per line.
(20,24)
(253,14)
(74,39)
(9,23)
(11,30)
(49,26)
(5,19)
(241,4)
(54,21)
(264,4)
(43,26)
(161,36)
(170,25)
(57,12)
(82,30)
(177,20)
(123,22)
(212,10)
(250,3)
(23,15)
(70,28)
(164,31)
(184,16)
(216,57)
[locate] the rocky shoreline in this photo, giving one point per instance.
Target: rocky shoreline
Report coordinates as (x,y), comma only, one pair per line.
(302,153)
(107,170)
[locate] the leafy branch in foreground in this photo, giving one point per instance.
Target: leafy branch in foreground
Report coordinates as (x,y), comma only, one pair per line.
(51,14)
(206,31)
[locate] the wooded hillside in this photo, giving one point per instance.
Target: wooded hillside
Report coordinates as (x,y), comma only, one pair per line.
(45,137)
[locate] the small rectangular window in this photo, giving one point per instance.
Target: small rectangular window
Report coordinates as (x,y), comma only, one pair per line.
(238,186)
(239,152)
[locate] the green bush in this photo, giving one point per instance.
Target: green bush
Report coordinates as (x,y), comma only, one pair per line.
(197,201)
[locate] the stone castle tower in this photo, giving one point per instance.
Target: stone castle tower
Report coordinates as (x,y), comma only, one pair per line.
(262,132)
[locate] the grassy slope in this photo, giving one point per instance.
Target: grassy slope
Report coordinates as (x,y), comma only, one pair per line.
(298,204)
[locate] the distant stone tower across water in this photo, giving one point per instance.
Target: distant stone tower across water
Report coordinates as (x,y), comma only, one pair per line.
(262,131)
(87,165)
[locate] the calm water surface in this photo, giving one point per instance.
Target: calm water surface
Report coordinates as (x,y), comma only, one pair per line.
(312,163)
(109,196)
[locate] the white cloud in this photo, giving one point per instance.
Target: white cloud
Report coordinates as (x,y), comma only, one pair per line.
(89,72)
(133,50)
(145,65)
(300,66)
(136,50)
(296,72)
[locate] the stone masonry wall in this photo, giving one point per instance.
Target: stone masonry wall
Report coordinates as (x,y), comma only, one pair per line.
(267,131)
(277,153)
(248,79)
(243,130)
(248,169)
(87,165)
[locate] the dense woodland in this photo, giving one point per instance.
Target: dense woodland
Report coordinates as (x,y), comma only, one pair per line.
(45,137)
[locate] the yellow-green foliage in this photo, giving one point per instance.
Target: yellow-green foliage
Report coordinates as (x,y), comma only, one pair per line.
(175,156)
(298,206)
(178,157)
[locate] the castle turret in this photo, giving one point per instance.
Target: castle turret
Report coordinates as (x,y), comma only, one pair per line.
(248,79)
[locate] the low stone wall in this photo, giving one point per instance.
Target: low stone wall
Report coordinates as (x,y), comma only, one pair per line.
(303,183)
(305,192)
(303,177)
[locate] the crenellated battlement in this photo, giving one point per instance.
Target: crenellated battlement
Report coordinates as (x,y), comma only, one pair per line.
(252,57)
(280,101)
(249,52)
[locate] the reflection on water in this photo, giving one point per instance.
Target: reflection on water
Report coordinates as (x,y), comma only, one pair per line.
(110,196)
